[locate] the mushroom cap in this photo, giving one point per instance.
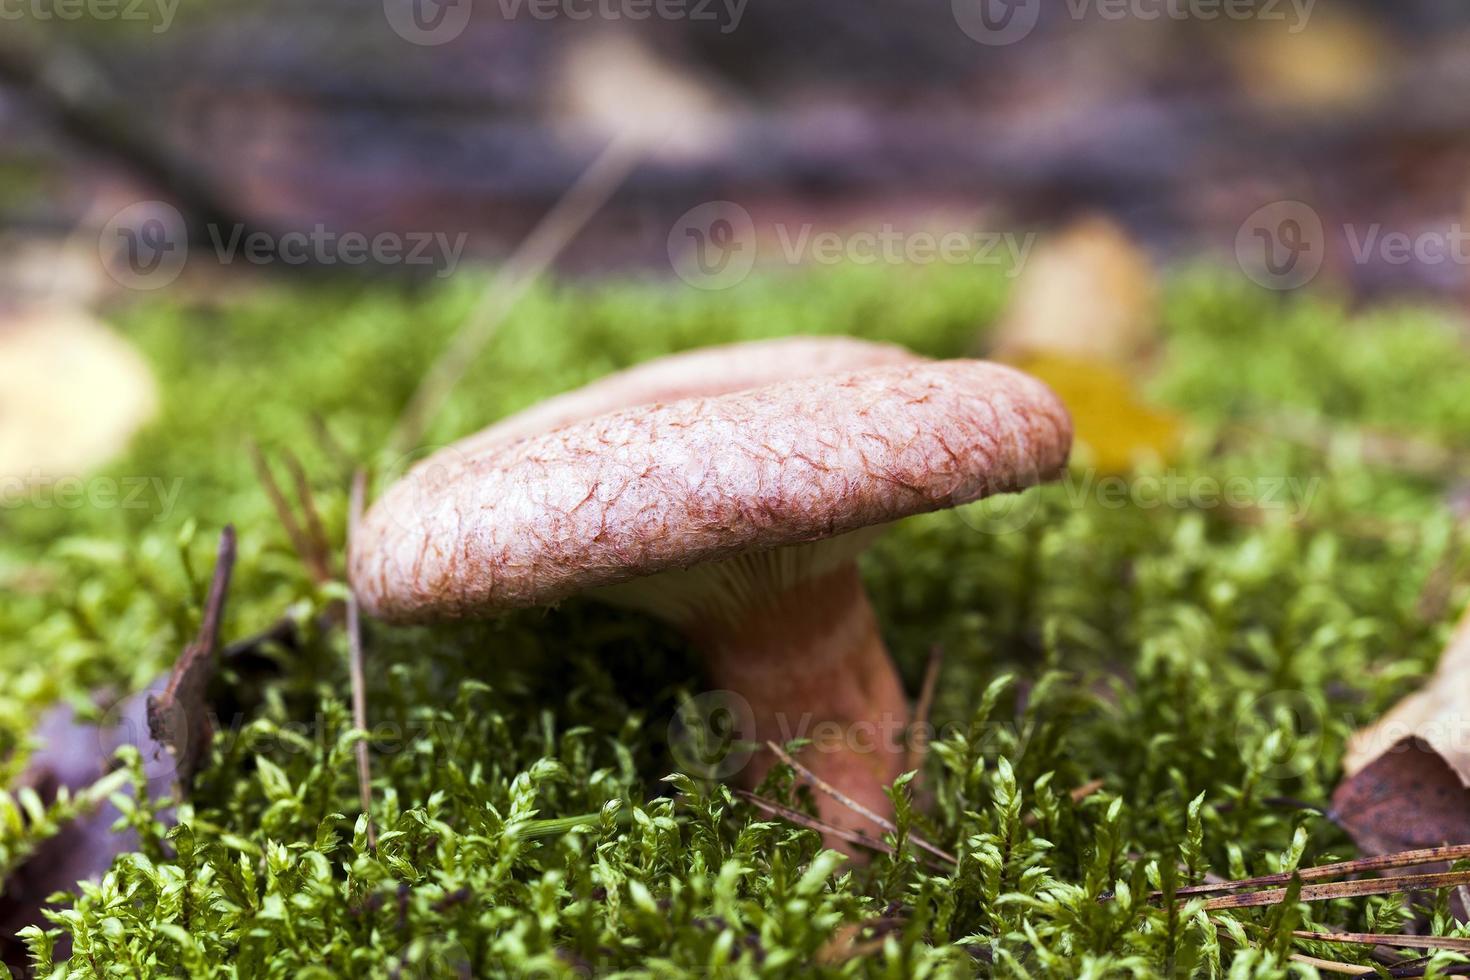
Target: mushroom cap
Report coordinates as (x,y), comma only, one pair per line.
(706,371)
(650,489)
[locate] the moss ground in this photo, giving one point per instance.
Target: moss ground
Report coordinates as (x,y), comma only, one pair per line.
(1206,662)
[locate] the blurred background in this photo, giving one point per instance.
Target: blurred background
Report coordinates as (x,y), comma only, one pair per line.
(469,119)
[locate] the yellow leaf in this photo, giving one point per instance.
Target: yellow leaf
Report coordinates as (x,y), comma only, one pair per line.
(1115,428)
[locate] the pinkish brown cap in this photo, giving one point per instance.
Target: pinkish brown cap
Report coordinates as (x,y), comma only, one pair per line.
(736,516)
(706,371)
(657,488)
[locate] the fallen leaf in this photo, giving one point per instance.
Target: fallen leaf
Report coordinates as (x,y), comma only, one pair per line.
(179,717)
(1114,428)
(72,393)
(1438,715)
(1088,293)
(1408,797)
(1407,777)
(73,755)
(1083,318)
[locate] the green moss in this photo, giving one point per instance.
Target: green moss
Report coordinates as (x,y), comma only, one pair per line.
(1207,668)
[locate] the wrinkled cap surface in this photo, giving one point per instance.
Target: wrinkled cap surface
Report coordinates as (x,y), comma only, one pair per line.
(705,371)
(648,489)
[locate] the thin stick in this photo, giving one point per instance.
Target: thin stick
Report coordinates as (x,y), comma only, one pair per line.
(1343,889)
(329,443)
(919,729)
(1453,943)
(1399,859)
(853,805)
(1331,966)
(812,823)
(317,534)
(355,665)
(547,240)
(179,717)
(299,541)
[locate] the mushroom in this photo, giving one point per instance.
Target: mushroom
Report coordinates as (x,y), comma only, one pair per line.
(704,371)
(739,518)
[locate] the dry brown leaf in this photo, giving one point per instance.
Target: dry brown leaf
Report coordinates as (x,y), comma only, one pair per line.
(1088,293)
(179,717)
(72,393)
(1438,714)
(1407,797)
(1407,777)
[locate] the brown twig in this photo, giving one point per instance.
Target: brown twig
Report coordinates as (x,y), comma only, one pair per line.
(1452,943)
(919,735)
(1343,889)
(316,533)
(355,666)
(1331,966)
(532,258)
(299,541)
(329,445)
(1339,869)
(853,805)
(812,823)
(179,717)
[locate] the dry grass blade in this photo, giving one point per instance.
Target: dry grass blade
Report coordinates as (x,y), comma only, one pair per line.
(355,666)
(1343,889)
(546,241)
(812,823)
(1452,943)
(300,542)
(919,733)
(1340,869)
(1331,966)
(853,805)
(317,534)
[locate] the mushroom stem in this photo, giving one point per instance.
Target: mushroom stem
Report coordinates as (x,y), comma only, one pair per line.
(812,664)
